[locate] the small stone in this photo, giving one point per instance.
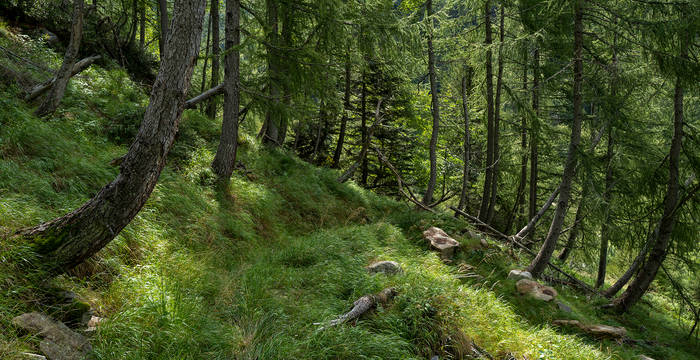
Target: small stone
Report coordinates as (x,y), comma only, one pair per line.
(644,357)
(516,274)
(484,243)
(441,241)
(563,307)
(535,290)
(386,267)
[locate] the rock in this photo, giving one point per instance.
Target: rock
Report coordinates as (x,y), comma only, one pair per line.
(484,243)
(386,267)
(93,323)
(644,357)
(563,307)
(442,242)
(519,274)
(615,332)
(60,342)
(536,290)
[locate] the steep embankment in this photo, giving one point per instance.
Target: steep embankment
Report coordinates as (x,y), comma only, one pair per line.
(202,274)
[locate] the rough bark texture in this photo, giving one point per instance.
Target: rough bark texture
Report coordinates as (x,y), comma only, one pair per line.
(428,197)
(365,146)
(53,98)
(465,91)
(164,23)
(540,262)
(344,120)
(42,88)
(534,130)
(658,252)
(364,304)
(497,120)
(72,238)
(225,158)
(273,118)
(486,195)
(605,227)
(519,203)
(215,54)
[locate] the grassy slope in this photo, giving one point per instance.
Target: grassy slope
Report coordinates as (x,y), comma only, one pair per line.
(199,274)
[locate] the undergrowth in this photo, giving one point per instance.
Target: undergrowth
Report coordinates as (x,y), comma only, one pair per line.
(249,273)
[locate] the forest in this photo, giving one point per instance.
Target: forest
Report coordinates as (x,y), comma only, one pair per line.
(356,179)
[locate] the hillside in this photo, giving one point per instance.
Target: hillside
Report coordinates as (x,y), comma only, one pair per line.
(250,271)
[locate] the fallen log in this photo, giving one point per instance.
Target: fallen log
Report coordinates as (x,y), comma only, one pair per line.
(40,89)
(362,305)
(216,90)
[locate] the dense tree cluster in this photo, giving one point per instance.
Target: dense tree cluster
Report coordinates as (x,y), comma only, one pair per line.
(580,114)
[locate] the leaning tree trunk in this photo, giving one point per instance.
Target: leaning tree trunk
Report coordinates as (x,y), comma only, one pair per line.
(215,54)
(485,197)
(648,271)
(540,262)
(67,241)
(496,121)
(163,9)
(466,143)
(344,120)
(225,157)
(573,233)
(625,278)
(53,98)
(428,197)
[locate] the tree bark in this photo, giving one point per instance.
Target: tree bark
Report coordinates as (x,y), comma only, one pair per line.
(164,23)
(428,197)
(534,134)
(486,196)
(465,92)
(648,271)
(344,120)
(42,88)
(571,240)
(363,117)
(68,240)
(271,127)
(519,203)
(142,26)
(497,120)
(215,54)
(53,98)
(365,146)
(204,67)
(533,221)
(225,158)
(540,262)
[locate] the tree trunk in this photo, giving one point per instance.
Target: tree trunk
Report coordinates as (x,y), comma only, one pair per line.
(648,271)
(53,98)
(363,106)
(365,146)
(625,278)
(272,124)
(344,120)
(225,158)
(428,197)
(142,27)
(571,240)
(66,241)
(215,54)
(79,66)
(605,227)
(486,196)
(519,203)
(497,120)
(163,9)
(540,262)
(206,60)
(534,134)
(465,92)
(533,221)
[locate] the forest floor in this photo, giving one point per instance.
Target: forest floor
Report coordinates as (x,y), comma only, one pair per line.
(246,272)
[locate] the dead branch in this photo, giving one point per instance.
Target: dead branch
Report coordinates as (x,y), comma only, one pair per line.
(362,305)
(45,86)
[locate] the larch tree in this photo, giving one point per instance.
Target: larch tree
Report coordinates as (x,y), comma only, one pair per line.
(55,94)
(486,194)
(540,262)
(70,239)
(435,108)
